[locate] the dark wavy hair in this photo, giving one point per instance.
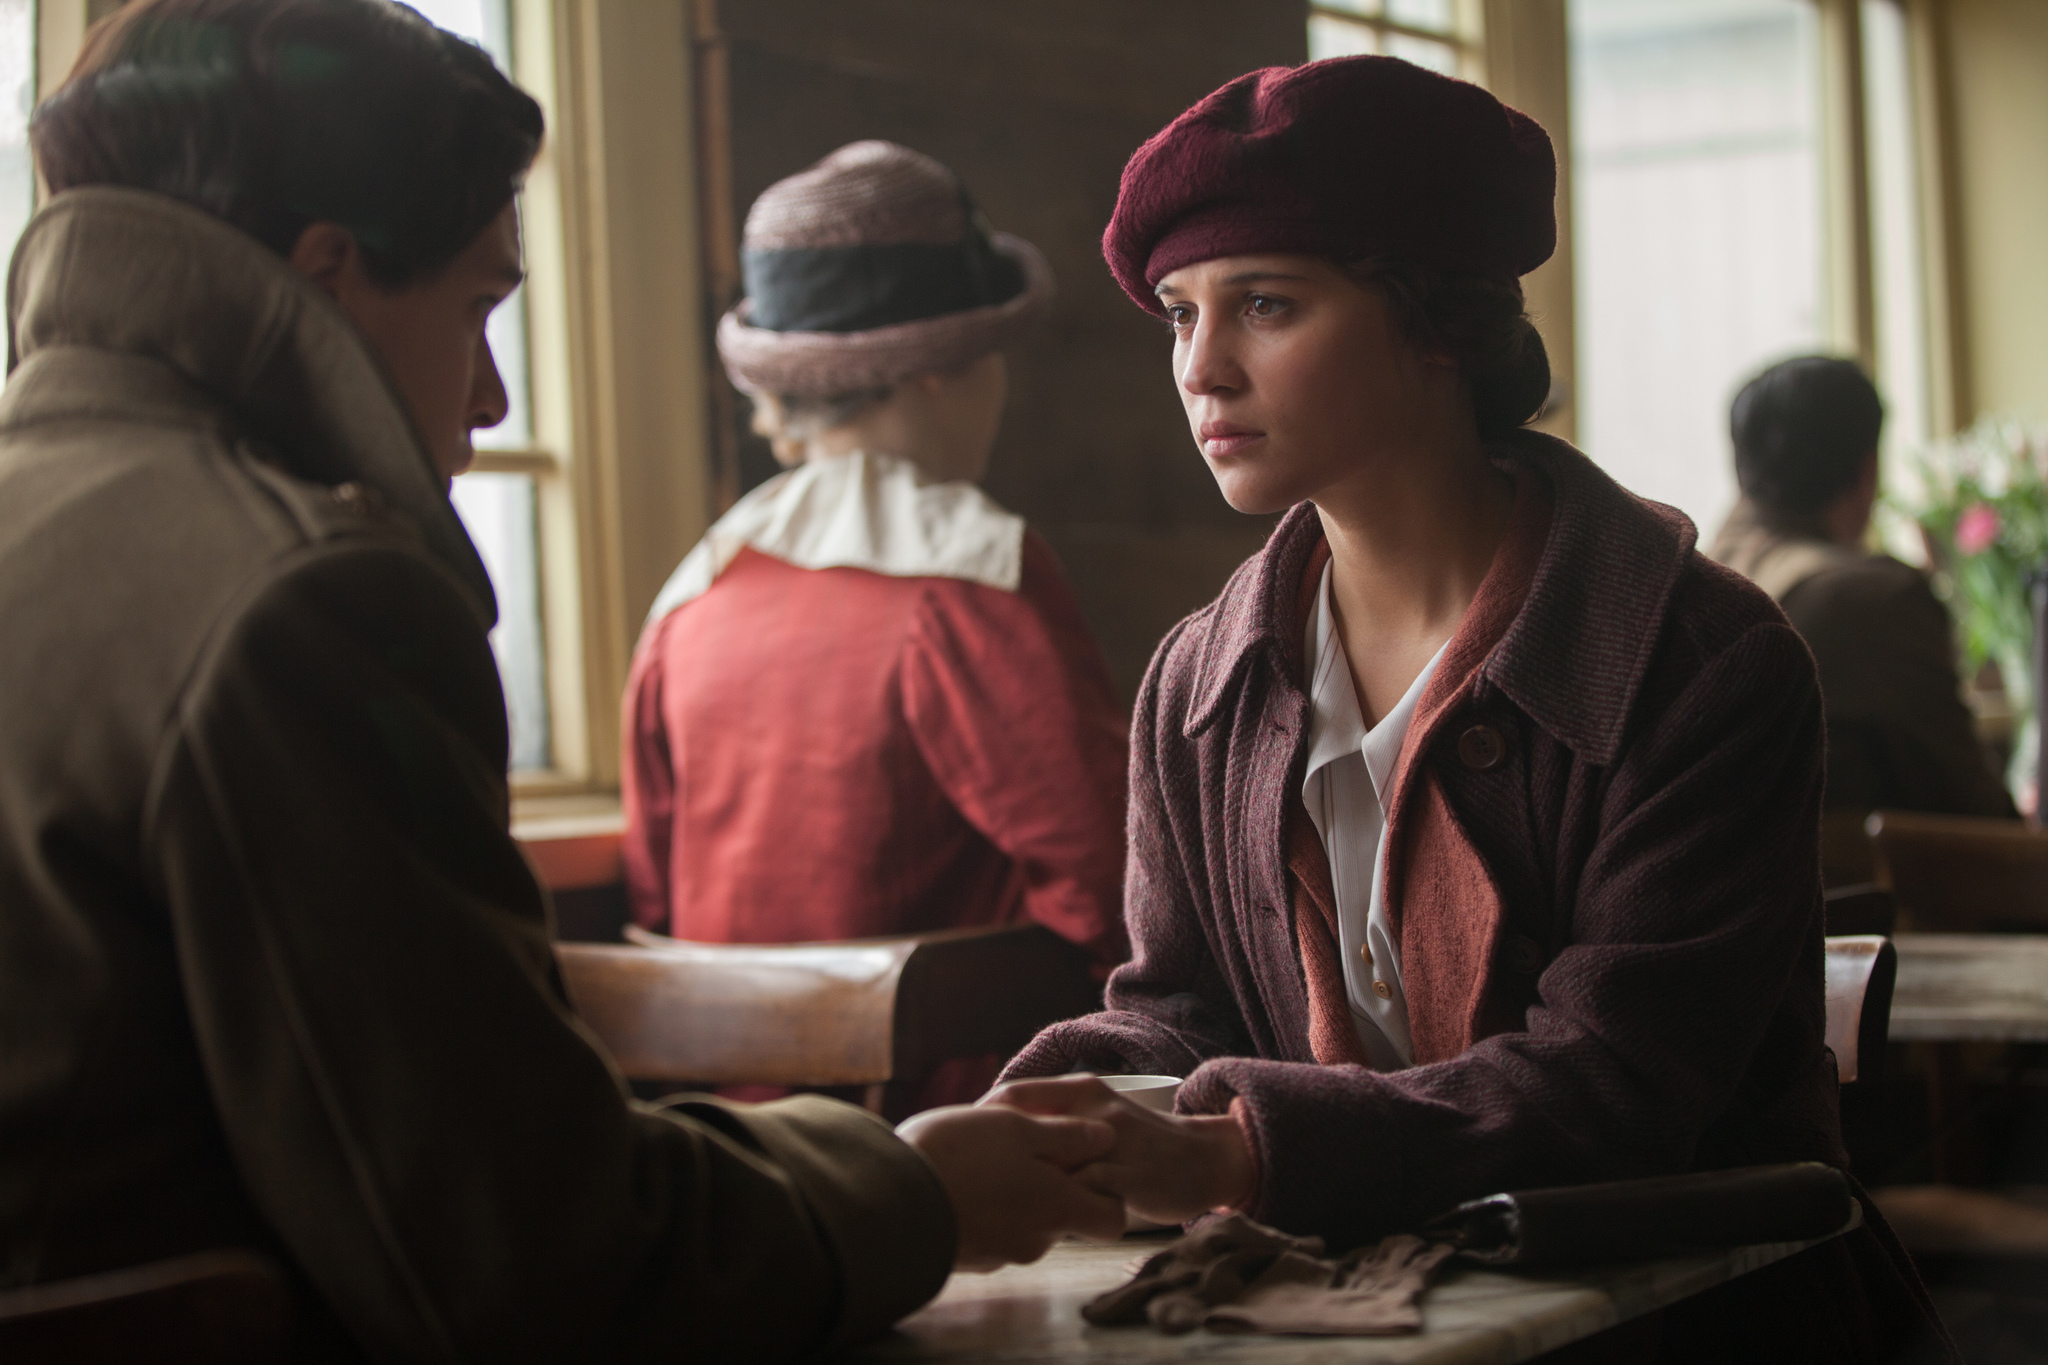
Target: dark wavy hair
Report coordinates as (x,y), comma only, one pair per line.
(276,114)
(1802,430)
(1481,323)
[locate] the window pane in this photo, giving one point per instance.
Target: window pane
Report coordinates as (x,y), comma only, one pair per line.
(506,331)
(499,511)
(1895,226)
(1436,56)
(1434,15)
(488,24)
(1328,37)
(17,97)
(1352,6)
(1697,204)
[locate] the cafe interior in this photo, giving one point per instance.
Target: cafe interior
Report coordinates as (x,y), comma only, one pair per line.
(1738,182)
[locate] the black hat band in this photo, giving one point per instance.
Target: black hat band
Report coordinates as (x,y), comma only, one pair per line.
(860,288)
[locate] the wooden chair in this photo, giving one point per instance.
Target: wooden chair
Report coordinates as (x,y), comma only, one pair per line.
(577,858)
(213,1308)
(1959,874)
(1846,855)
(1864,908)
(1861,971)
(881,1014)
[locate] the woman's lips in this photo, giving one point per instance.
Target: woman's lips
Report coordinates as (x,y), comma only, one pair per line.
(1221,438)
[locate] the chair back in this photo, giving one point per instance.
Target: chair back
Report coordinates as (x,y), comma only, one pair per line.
(1862,909)
(1961,874)
(880,1013)
(579,858)
(213,1308)
(1846,855)
(1861,971)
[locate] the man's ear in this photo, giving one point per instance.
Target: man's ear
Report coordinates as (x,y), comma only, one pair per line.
(327,254)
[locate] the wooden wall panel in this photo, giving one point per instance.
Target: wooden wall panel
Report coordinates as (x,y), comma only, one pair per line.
(1037,107)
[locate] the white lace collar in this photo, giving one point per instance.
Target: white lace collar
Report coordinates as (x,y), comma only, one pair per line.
(858,511)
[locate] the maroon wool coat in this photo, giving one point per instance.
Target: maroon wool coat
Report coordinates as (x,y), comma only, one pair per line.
(1645,995)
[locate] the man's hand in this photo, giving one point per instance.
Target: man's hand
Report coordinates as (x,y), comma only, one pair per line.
(1167,1168)
(1009,1175)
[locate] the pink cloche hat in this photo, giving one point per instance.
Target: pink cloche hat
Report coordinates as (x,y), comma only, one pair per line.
(869,267)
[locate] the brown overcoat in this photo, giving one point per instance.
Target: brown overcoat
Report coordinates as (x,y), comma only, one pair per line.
(272,971)
(1603,867)
(1899,735)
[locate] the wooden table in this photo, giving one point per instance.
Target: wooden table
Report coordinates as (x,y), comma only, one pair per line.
(1971,988)
(1470,1316)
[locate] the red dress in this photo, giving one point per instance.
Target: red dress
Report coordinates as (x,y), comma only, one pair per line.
(837,753)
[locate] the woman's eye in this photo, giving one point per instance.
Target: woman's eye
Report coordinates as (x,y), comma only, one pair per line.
(1179,315)
(1263,306)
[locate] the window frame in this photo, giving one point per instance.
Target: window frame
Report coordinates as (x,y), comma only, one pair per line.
(1526,51)
(615,350)
(1466,36)
(615,345)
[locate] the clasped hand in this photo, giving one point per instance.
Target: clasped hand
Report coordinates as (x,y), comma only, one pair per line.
(1036,1160)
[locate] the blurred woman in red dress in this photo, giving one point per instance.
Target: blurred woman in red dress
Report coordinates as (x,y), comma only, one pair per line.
(866,703)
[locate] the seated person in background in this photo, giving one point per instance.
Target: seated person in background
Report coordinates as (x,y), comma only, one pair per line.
(1474,826)
(273,973)
(1899,734)
(867,703)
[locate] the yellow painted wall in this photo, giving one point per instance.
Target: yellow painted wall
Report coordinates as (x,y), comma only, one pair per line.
(1998,95)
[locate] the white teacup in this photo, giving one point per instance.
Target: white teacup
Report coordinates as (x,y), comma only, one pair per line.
(1147,1092)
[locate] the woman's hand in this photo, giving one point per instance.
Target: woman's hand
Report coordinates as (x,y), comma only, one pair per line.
(1167,1168)
(1011,1178)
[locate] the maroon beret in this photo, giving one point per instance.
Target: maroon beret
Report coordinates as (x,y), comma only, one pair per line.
(1346,158)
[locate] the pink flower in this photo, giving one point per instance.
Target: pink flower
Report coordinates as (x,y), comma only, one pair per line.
(1976,529)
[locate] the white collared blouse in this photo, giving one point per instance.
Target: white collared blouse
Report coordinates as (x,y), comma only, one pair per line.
(1350,772)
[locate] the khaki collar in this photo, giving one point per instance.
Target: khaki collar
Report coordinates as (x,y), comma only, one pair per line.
(1576,651)
(204,325)
(1777,554)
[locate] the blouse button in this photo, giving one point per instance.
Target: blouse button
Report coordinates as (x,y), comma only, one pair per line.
(1383,990)
(1365,951)
(1482,748)
(1523,954)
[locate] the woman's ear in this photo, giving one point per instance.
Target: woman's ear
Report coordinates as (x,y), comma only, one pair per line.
(327,254)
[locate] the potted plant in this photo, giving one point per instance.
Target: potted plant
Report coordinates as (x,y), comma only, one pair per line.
(1980,504)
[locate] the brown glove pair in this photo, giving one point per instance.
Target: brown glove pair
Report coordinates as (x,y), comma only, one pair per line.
(1234,1275)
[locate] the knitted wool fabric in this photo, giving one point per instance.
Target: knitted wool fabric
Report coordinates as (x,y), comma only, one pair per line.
(874,196)
(1344,159)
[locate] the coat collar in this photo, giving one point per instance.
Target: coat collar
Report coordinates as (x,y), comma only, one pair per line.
(142,277)
(1575,654)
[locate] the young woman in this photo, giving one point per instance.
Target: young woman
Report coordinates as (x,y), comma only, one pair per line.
(1474,826)
(867,703)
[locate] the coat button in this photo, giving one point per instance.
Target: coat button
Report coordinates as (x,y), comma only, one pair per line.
(1482,748)
(1522,954)
(1383,990)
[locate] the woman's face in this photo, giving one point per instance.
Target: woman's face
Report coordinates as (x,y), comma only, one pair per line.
(1295,377)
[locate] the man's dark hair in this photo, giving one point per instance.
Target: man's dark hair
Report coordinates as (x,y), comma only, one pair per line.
(1802,430)
(276,114)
